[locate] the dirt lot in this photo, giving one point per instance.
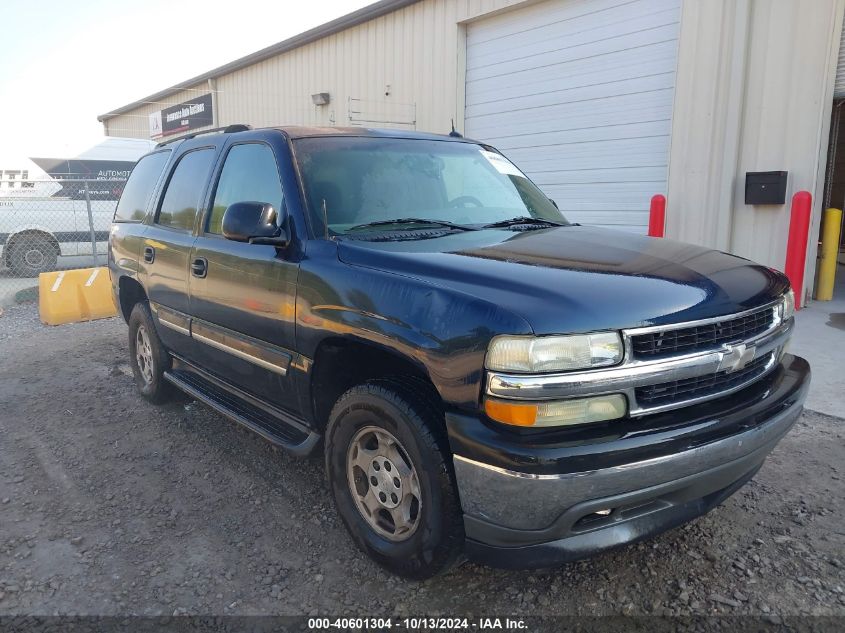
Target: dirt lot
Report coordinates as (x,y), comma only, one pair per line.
(109,505)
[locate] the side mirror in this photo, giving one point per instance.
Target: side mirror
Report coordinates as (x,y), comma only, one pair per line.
(253,222)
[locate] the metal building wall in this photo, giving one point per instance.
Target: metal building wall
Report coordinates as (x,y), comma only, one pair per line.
(416,51)
(754,93)
(136,124)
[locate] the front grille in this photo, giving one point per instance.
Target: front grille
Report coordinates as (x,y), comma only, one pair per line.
(701,386)
(701,337)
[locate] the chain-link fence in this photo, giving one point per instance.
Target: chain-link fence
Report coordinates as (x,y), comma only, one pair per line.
(50,224)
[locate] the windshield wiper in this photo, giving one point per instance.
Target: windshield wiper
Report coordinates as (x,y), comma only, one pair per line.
(443,223)
(522,220)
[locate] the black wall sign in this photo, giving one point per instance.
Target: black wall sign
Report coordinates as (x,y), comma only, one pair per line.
(111,174)
(187,116)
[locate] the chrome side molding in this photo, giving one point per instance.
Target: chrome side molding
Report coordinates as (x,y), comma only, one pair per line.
(270,357)
(173,320)
(253,351)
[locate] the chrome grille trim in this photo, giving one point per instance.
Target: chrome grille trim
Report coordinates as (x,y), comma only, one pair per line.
(634,373)
(648,395)
(685,324)
(699,338)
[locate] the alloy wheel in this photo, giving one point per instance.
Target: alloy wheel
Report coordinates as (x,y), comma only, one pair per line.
(384,483)
(144,354)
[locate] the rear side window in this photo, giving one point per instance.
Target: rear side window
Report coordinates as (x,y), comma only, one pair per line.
(132,206)
(249,175)
(182,196)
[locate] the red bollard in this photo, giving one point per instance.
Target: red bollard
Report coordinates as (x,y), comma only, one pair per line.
(796,246)
(657,215)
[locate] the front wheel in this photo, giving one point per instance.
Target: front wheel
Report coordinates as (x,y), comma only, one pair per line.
(392,480)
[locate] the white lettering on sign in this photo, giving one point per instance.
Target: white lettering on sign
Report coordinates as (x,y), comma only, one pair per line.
(185,111)
(110,174)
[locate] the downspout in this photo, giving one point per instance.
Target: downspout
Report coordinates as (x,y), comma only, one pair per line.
(212,86)
(831,152)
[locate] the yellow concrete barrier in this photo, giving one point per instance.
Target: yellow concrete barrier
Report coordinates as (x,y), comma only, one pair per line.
(830,252)
(67,296)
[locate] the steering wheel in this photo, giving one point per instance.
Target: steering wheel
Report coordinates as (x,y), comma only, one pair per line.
(462,201)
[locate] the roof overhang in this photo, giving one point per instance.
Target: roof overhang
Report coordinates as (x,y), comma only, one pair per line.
(342,23)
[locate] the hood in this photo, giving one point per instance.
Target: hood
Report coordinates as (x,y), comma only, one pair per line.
(579,279)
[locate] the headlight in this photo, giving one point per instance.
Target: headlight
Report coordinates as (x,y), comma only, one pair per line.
(529,354)
(557,412)
(787,306)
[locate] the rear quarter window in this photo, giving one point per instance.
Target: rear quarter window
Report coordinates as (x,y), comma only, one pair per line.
(132,206)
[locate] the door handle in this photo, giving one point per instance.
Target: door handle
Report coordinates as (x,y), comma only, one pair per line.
(149,254)
(199,267)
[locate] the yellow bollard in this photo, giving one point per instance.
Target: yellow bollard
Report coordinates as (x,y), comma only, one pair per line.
(67,296)
(830,252)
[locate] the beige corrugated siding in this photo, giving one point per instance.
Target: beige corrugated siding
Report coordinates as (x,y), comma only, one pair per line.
(136,124)
(754,86)
(415,51)
(754,93)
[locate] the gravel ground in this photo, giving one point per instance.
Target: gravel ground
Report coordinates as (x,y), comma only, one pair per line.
(110,506)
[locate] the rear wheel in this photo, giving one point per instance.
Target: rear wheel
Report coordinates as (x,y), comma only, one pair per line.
(148,357)
(392,479)
(31,255)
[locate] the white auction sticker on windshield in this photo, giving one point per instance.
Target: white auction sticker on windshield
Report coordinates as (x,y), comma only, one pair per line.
(502,164)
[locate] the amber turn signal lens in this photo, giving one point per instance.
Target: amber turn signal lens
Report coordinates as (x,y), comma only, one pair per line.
(557,413)
(508,413)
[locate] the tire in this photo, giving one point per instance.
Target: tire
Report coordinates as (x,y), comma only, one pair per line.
(428,537)
(149,366)
(31,255)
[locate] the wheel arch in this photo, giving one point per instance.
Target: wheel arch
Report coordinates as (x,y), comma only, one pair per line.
(130,292)
(341,363)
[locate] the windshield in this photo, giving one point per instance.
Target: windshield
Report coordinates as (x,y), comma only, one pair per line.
(355,181)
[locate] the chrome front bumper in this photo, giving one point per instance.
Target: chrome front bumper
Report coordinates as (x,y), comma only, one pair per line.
(545,511)
(533,502)
(634,373)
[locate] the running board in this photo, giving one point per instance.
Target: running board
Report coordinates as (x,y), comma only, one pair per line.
(272,424)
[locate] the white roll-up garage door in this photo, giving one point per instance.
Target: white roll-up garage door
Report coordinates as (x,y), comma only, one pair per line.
(579,93)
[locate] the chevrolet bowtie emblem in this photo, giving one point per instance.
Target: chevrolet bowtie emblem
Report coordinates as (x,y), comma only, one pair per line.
(735,357)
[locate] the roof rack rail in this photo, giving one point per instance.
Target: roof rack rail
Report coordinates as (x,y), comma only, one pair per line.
(229,129)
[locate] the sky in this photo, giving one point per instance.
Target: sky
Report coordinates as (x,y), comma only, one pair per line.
(66,61)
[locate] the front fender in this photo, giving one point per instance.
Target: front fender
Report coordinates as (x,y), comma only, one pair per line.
(444,331)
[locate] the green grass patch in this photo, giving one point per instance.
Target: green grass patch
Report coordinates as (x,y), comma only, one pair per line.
(27,295)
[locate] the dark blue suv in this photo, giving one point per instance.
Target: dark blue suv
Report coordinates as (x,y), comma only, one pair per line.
(484,377)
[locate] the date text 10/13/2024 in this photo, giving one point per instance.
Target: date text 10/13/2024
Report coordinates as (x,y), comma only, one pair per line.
(420,623)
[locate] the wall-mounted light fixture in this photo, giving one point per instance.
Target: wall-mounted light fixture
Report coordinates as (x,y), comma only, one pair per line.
(321,98)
